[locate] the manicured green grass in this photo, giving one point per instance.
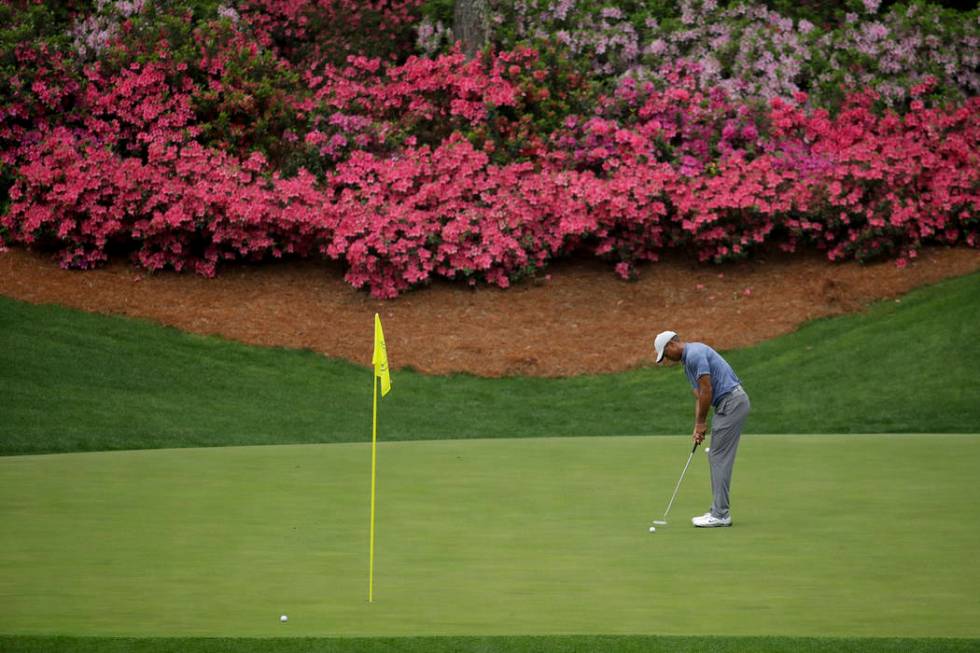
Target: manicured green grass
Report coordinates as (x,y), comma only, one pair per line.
(834,536)
(72,381)
(571,644)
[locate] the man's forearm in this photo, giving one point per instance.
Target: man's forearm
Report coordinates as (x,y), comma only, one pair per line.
(702,406)
(704,400)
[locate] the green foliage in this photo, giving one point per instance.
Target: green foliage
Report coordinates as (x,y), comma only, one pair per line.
(27,22)
(252,108)
(24,25)
(554,87)
(329,32)
(822,13)
(439,11)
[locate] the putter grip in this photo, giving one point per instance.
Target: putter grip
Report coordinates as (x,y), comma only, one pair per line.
(695,447)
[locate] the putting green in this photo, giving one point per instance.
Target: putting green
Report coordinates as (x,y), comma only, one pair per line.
(834,535)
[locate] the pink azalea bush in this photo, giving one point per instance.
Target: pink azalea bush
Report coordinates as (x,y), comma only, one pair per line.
(186,207)
(192,141)
(856,185)
(895,181)
(367,105)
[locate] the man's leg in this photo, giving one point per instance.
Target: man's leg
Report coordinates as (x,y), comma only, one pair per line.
(726,431)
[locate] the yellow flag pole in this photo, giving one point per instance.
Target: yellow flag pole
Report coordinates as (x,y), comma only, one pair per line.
(374,465)
(379,360)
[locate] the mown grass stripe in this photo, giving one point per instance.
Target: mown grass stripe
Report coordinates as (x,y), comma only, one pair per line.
(581,644)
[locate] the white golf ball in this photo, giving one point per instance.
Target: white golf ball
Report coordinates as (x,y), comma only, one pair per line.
(653,529)
(283,619)
(707,449)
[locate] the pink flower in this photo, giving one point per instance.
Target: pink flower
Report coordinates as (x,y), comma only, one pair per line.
(315,137)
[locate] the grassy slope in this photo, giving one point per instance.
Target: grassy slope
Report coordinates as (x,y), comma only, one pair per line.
(837,536)
(73,381)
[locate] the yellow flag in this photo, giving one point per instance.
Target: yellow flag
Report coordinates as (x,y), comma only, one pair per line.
(380,358)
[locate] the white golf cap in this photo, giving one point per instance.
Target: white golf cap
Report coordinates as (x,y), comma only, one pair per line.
(660,343)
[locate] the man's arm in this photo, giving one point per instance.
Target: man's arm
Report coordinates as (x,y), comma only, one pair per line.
(701,406)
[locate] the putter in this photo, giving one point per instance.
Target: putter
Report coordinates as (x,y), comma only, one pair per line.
(663,522)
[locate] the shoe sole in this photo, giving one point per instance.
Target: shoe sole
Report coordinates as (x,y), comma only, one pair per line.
(728,525)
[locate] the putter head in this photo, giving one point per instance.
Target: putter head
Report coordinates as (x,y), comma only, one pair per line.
(659,522)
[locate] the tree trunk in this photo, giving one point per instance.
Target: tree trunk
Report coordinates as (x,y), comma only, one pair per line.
(470,25)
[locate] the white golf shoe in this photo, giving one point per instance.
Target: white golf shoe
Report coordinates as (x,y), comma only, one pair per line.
(707,520)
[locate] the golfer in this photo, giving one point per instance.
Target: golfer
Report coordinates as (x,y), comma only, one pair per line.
(715,385)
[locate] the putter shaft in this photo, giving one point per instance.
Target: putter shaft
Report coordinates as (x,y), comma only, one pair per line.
(678,486)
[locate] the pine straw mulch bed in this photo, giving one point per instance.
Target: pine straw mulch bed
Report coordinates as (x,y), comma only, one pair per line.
(578,318)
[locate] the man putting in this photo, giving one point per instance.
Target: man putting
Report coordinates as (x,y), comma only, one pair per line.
(714,384)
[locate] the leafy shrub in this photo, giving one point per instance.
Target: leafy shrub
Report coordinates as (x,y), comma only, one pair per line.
(193,132)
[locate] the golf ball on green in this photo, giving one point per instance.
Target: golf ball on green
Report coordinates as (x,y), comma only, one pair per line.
(653,529)
(283,619)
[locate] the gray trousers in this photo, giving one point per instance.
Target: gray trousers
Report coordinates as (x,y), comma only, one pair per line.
(726,431)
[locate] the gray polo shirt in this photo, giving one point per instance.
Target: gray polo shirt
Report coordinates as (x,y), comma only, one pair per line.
(700,359)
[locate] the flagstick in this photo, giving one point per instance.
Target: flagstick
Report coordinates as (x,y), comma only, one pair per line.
(374,462)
